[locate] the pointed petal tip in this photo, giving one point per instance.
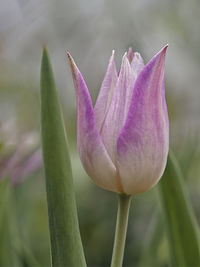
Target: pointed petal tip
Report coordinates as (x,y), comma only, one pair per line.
(70,58)
(165,47)
(74,68)
(67,53)
(112,56)
(161,54)
(163,50)
(124,63)
(125,58)
(137,55)
(130,50)
(125,54)
(130,54)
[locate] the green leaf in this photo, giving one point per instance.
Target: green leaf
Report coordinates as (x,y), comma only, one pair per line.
(181,224)
(8,240)
(26,256)
(66,246)
(152,243)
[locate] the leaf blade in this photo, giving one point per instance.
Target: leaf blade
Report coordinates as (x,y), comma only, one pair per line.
(181,225)
(66,246)
(8,231)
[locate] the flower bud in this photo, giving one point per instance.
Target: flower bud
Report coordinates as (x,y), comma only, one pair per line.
(123,141)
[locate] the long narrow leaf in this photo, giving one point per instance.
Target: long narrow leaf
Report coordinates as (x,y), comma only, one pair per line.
(66,246)
(8,235)
(182,228)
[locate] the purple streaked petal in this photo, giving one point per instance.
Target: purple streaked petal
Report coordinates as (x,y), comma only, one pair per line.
(106,92)
(118,108)
(142,145)
(93,154)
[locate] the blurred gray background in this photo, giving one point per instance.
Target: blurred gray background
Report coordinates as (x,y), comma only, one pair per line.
(90,30)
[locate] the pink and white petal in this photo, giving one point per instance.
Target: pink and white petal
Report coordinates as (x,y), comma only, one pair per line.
(137,64)
(143,143)
(117,111)
(106,92)
(93,154)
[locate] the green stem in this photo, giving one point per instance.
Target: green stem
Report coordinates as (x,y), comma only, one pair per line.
(121,229)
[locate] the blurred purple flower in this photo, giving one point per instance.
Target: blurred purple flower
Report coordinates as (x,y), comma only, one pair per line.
(123,141)
(27,167)
(18,158)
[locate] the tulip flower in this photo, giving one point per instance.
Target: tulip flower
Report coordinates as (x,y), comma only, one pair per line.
(123,141)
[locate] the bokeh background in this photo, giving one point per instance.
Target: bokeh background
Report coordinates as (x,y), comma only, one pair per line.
(90,30)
